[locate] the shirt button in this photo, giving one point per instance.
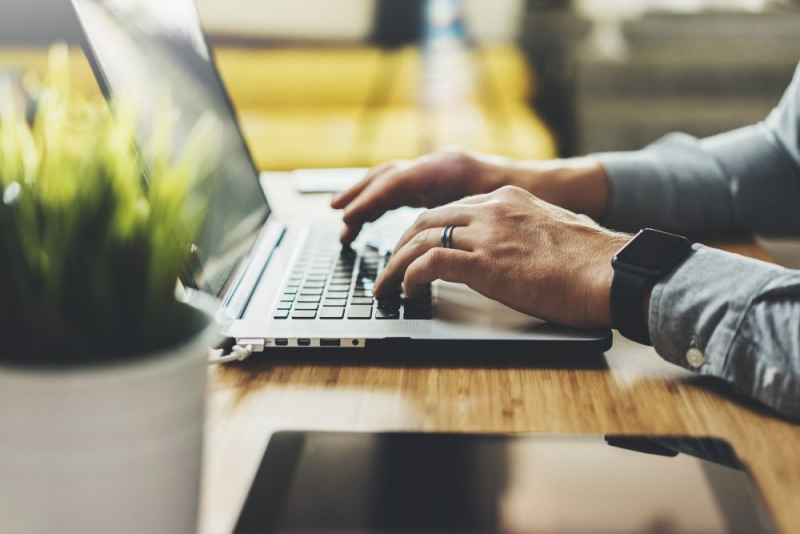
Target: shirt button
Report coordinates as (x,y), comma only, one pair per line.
(695,358)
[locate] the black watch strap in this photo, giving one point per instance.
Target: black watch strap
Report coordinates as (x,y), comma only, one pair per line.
(640,264)
(627,294)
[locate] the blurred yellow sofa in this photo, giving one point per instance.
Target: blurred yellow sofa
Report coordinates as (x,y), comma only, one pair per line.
(358,106)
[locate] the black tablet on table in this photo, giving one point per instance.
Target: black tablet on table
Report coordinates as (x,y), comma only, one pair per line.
(323,482)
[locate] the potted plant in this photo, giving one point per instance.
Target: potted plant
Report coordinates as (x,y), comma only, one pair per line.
(102,369)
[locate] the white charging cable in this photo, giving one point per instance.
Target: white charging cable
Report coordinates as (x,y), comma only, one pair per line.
(237,354)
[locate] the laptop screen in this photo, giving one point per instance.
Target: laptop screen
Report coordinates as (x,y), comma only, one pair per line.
(155,52)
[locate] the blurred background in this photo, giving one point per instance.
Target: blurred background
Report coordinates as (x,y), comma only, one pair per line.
(344,83)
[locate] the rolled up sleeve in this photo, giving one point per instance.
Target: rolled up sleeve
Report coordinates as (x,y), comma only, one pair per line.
(723,315)
(744,181)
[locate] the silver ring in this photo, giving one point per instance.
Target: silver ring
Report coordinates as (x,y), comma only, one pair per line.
(447,237)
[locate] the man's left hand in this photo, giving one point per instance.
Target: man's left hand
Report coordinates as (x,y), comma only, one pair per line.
(515,248)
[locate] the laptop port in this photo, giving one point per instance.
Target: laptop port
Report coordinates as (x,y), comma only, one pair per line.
(330,342)
(281,342)
(303,342)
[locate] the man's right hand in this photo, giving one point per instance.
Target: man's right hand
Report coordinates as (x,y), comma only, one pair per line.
(426,182)
(451,174)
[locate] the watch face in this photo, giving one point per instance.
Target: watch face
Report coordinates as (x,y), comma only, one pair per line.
(650,249)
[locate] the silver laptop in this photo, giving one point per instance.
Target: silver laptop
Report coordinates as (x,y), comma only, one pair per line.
(278,284)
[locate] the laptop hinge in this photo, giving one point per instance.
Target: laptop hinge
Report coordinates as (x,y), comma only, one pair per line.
(242,290)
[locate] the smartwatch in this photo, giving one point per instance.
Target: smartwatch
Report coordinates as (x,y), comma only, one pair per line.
(646,259)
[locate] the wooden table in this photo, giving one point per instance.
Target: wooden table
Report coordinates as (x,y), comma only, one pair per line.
(628,390)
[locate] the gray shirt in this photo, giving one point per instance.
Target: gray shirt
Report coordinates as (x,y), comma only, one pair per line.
(718,313)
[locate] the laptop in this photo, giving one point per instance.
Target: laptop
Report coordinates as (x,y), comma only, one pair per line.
(279,284)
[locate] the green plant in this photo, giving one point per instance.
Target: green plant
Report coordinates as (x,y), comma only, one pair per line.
(93,234)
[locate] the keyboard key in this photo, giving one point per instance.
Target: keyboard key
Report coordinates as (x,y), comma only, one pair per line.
(332,313)
(418,314)
(388,302)
(287,297)
(364,293)
(359,312)
(280,314)
(417,303)
(309,298)
(306,306)
(314,291)
(362,301)
(339,287)
(335,302)
(290,290)
(285,306)
(387,314)
(316,278)
(304,314)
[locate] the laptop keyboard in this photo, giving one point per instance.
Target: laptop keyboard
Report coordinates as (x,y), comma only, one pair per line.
(332,283)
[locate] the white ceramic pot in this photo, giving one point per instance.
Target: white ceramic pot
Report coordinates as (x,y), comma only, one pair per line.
(105,449)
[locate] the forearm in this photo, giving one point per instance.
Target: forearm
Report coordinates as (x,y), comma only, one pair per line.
(577,184)
(737,319)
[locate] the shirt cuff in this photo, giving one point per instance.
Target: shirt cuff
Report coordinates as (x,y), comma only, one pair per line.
(697,310)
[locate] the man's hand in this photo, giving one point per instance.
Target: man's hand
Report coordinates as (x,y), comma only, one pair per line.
(426,182)
(515,248)
(451,174)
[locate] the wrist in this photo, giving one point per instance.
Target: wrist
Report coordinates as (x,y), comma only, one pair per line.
(577,184)
(490,173)
(601,276)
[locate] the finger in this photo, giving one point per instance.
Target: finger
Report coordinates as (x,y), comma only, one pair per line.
(386,192)
(445,264)
(341,200)
(349,234)
(450,215)
(422,242)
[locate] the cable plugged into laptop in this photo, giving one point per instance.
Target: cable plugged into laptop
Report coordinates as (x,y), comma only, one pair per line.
(231,351)
(238,353)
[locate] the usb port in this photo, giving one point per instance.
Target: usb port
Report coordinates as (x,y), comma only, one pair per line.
(281,342)
(330,342)
(303,342)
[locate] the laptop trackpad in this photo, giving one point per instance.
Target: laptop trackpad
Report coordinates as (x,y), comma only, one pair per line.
(457,303)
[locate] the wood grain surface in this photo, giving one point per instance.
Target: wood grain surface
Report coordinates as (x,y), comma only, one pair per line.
(628,390)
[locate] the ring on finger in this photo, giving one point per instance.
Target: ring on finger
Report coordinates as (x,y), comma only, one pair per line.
(447,237)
